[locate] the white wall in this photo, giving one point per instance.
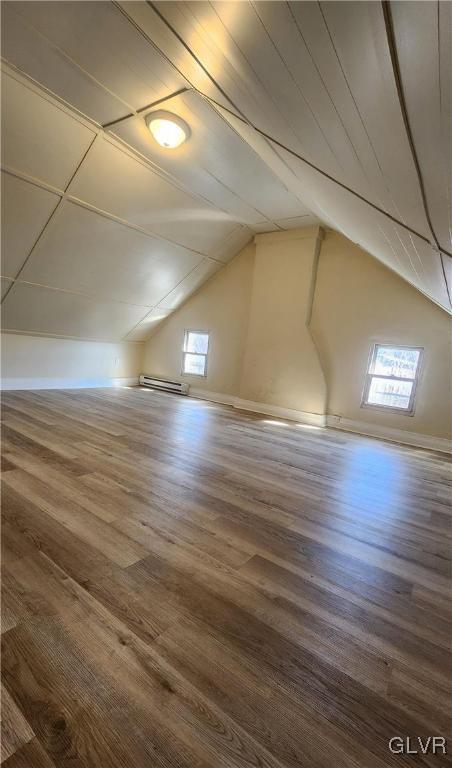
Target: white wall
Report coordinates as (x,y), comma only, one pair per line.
(30,362)
(281,365)
(221,306)
(262,351)
(263,355)
(359,302)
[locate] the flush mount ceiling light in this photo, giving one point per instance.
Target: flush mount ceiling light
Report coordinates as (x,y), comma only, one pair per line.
(169,130)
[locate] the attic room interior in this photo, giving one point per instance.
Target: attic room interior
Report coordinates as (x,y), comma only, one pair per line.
(226,384)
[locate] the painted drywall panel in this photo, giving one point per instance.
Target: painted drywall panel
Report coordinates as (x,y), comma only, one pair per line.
(359,302)
(147,326)
(113,181)
(39,357)
(6,284)
(221,307)
(82,251)
(30,51)
(33,308)
(189,285)
(49,146)
(26,210)
(281,365)
(62,43)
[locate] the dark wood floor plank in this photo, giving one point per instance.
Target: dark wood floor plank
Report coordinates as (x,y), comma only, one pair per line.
(34,531)
(31,755)
(286,721)
(84,525)
(189,586)
(15,730)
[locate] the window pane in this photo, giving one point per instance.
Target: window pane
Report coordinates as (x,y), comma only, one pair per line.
(194,364)
(197,342)
(390,392)
(390,361)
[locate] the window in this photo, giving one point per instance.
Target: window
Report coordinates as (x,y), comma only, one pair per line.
(392,377)
(194,353)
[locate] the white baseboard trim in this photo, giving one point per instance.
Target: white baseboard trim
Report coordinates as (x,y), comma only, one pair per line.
(51,383)
(314,419)
(389,433)
(415,439)
(214,397)
(266,409)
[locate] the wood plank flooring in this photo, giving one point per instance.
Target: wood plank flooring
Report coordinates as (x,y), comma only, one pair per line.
(188,586)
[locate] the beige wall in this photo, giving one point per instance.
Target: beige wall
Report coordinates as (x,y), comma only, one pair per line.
(32,361)
(280,365)
(357,302)
(255,309)
(261,350)
(221,306)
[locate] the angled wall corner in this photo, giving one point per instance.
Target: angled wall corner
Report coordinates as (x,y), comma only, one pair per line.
(281,365)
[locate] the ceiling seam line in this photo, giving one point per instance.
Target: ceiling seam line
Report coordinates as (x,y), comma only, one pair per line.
(298,87)
(332,178)
(355,104)
(136,155)
(193,55)
(53,213)
(47,94)
(35,182)
(244,119)
(167,294)
(40,184)
(166,176)
(74,292)
(143,109)
(41,334)
(135,227)
(440,81)
(328,176)
(325,86)
(392,45)
(191,86)
(75,63)
(371,145)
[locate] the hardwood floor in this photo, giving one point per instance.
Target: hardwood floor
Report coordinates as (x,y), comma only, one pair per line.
(187,585)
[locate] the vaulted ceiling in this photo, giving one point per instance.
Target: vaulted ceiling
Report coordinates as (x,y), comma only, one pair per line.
(300,112)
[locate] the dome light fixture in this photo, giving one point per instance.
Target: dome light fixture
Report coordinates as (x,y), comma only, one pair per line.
(169,130)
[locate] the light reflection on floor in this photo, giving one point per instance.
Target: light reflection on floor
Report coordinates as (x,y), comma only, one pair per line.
(278,423)
(372,478)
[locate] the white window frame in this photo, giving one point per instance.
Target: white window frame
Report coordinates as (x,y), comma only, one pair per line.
(185,352)
(369,376)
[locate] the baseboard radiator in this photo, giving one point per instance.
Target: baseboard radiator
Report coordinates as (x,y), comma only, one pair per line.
(165,384)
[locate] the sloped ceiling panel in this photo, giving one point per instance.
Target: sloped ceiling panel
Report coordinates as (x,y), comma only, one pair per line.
(26,209)
(197,277)
(319,79)
(257,54)
(38,138)
(113,181)
(39,309)
(93,229)
(403,252)
(216,163)
(128,266)
(88,54)
(423,33)
(147,326)
(109,222)
(5,286)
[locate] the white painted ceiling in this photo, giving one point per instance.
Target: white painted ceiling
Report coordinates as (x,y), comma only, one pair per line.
(300,112)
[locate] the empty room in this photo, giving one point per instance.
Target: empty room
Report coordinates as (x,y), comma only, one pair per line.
(226,374)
